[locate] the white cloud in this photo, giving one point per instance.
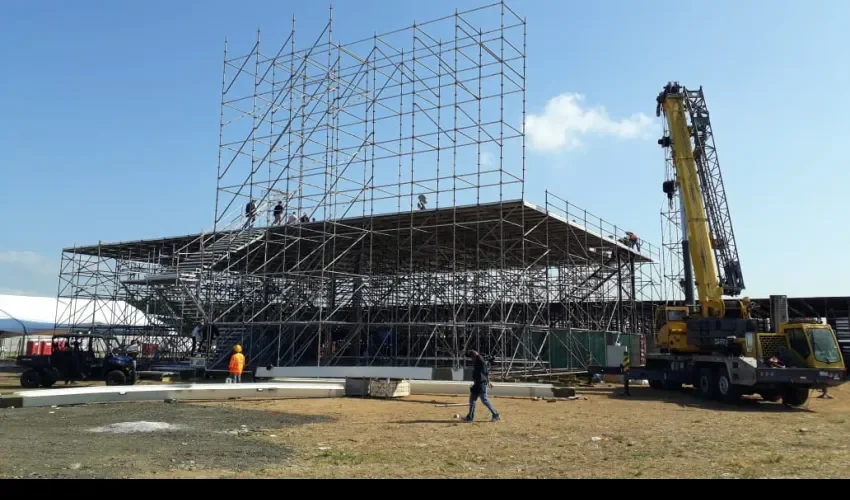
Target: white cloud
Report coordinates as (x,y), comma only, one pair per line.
(29,261)
(565,120)
(487,159)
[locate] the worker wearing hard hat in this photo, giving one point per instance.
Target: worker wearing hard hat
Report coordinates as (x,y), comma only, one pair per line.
(237,364)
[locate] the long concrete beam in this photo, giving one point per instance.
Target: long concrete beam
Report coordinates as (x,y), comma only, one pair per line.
(454,388)
(499,389)
(184,392)
(295,388)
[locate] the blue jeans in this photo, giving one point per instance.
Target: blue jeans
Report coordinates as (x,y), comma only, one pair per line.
(473,397)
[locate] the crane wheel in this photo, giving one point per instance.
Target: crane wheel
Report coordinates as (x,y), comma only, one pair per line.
(725,389)
(671,385)
(795,396)
(706,385)
(770,395)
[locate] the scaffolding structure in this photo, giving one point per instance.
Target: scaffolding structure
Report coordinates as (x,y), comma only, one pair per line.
(371,210)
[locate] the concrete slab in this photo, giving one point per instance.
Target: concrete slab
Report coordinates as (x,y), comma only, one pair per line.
(282,388)
(447,387)
(300,380)
(499,389)
(182,392)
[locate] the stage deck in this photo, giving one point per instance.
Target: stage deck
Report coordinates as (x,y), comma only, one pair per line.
(445,239)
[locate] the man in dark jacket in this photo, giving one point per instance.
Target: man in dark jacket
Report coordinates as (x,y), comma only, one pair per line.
(480,383)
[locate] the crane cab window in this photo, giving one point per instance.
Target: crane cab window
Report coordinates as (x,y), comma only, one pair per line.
(674,315)
(824,346)
(797,340)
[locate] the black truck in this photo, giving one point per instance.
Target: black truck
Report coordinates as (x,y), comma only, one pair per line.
(79,357)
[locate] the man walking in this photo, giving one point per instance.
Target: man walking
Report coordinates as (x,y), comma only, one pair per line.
(480,383)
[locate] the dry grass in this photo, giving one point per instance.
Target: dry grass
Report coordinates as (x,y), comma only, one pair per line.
(650,435)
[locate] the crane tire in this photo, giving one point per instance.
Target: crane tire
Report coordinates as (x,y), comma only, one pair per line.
(725,389)
(706,385)
(795,396)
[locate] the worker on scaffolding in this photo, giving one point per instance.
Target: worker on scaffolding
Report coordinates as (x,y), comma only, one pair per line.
(631,240)
(237,364)
(250,213)
(278,213)
(480,383)
(196,338)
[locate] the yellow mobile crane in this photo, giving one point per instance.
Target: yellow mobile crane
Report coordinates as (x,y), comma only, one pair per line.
(716,345)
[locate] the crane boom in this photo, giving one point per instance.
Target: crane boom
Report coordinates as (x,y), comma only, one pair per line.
(714,194)
(706,274)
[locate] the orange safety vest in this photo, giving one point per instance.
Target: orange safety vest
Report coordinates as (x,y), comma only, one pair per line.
(237,363)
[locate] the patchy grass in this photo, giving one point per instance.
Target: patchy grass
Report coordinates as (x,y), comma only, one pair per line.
(651,434)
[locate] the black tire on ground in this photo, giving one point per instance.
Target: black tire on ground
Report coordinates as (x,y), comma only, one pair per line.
(671,385)
(706,385)
(771,395)
(49,377)
(30,379)
(116,377)
(132,380)
(795,396)
(725,389)
(656,384)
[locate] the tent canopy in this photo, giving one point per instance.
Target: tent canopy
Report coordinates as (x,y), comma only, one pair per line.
(40,313)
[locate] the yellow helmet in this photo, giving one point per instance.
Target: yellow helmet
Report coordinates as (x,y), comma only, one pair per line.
(237,348)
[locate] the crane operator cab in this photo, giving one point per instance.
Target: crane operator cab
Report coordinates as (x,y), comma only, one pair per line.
(808,344)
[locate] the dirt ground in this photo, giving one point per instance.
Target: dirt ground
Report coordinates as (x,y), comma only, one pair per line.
(601,434)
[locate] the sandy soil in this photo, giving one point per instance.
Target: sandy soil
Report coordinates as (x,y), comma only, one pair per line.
(652,434)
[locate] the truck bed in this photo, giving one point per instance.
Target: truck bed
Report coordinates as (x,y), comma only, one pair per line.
(33,361)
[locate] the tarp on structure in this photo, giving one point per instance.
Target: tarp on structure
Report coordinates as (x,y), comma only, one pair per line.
(565,349)
(20,312)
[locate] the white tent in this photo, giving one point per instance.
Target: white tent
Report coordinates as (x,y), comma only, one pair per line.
(64,312)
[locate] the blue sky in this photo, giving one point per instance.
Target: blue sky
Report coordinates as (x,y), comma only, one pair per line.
(109,115)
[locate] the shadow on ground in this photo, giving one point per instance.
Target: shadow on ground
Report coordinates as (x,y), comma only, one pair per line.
(81,442)
(446,421)
(686,398)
